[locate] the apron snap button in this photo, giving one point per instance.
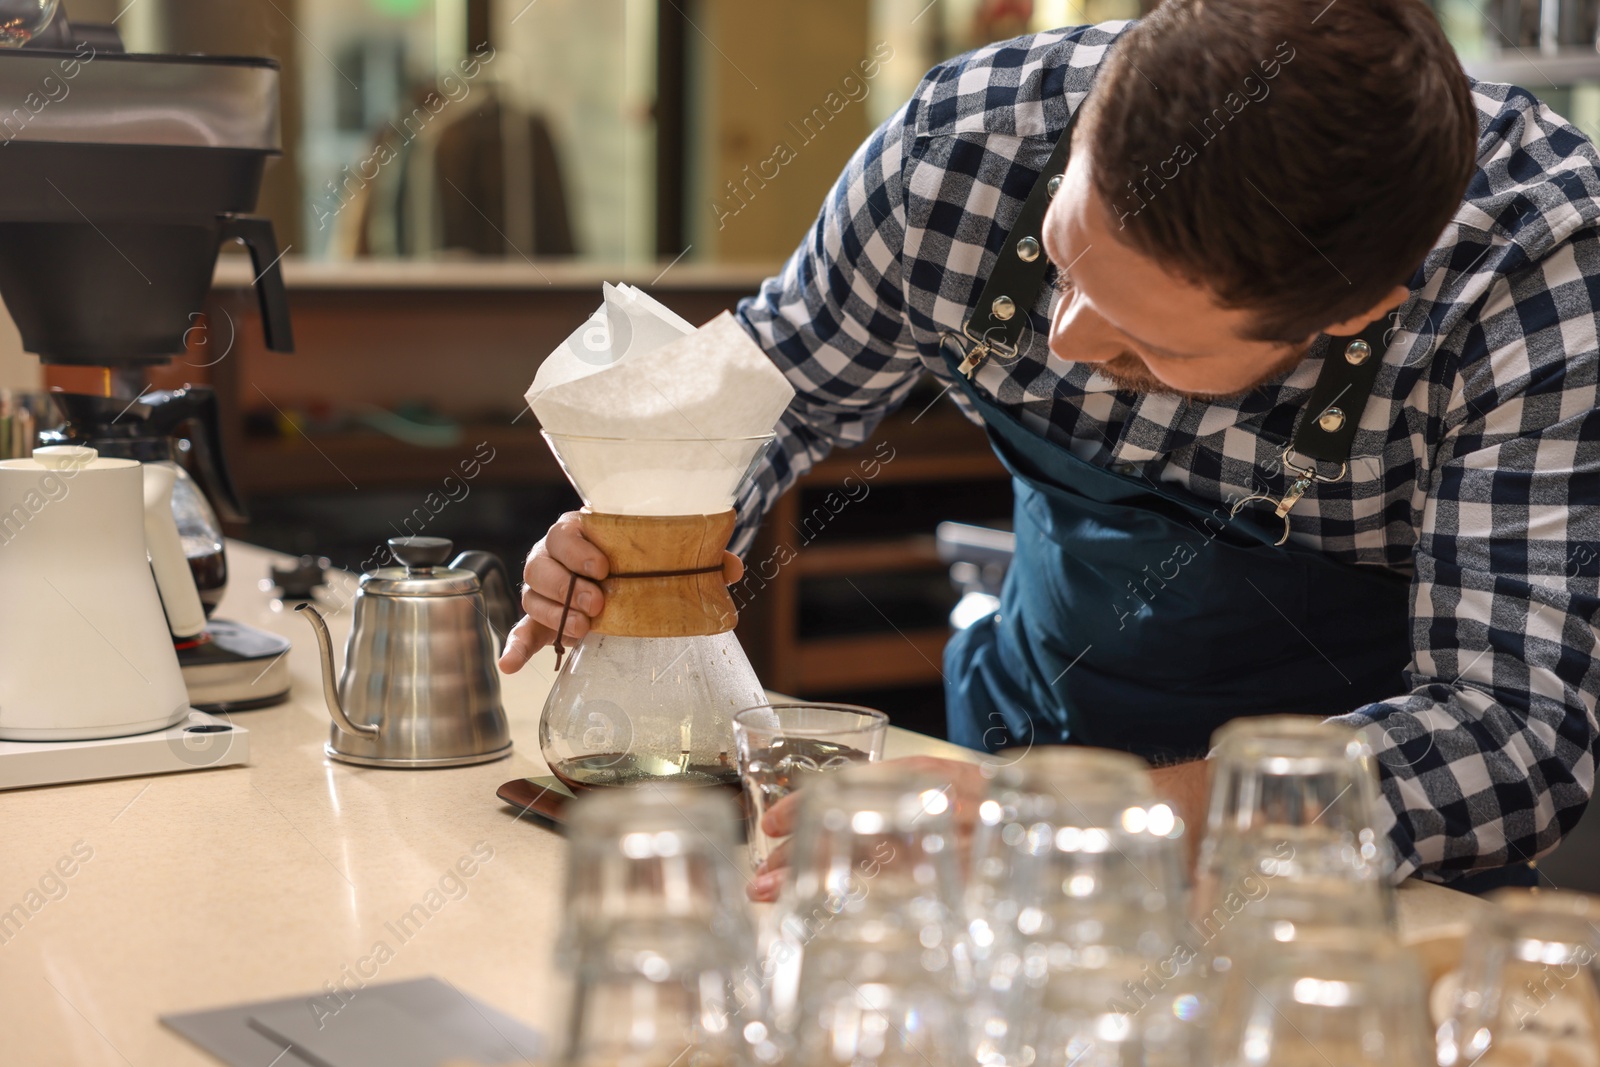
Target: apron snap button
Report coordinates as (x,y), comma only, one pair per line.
(1357,352)
(1053,186)
(1003,308)
(1331,420)
(1027,250)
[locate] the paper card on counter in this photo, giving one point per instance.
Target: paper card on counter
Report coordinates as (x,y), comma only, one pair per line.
(714,383)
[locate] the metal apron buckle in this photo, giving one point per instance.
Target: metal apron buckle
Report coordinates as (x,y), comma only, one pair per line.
(1304,478)
(982,347)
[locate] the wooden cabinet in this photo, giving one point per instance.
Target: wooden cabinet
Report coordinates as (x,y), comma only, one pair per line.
(855,539)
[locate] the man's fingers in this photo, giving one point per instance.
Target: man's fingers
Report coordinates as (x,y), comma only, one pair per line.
(779,819)
(547,578)
(768,882)
(566,544)
(547,613)
(764,888)
(525,638)
(778,858)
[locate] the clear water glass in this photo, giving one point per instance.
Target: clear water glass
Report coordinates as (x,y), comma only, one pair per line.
(782,746)
(1291,833)
(657,936)
(1528,989)
(864,959)
(1074,917)
(1350,998)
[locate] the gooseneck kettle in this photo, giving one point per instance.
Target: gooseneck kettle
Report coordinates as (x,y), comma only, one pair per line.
(419,686)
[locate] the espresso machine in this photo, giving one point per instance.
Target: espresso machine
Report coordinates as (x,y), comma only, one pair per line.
(120,177)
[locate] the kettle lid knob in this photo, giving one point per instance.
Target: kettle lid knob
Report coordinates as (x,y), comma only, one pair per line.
(421,553)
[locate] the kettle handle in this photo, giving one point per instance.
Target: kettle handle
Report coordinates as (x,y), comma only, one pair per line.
(186,616)
(498,601)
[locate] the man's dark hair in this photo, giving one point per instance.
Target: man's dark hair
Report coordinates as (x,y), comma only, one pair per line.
(1296,157)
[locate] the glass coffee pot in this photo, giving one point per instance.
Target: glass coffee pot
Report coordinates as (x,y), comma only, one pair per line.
(153,429)
(651,691)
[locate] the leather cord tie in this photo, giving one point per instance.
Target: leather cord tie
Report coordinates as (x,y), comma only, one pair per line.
(572,587)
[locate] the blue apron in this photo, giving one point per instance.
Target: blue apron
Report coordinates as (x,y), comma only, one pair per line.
(1140,617)
(1137,616)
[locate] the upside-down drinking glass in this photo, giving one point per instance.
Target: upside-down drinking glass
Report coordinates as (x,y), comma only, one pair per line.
(1351,998)
(657,936)
(1291,835)
(1074,917)
(1528,990)
(865,959)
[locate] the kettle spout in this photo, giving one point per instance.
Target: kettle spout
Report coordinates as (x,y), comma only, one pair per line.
(330,691)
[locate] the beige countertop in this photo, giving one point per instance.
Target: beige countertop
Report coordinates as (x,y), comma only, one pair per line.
(215,887)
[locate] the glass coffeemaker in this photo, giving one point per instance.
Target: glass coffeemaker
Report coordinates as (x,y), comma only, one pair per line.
(651,691)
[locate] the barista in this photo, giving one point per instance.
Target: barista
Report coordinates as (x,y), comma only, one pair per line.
(1301,417)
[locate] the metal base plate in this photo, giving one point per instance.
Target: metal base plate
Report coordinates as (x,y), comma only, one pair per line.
(418,764)
(241,668)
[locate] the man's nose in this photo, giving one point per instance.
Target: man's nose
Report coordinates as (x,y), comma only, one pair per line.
(1078,335)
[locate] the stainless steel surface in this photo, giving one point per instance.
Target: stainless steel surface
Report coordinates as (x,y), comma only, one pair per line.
(420,570)
(139,100)
(431,581)
(496,585)
(419,686)
(239,685)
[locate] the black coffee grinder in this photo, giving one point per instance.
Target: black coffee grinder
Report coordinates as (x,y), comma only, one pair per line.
(115,197)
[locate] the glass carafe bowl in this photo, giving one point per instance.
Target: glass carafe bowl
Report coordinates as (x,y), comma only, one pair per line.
(626,710)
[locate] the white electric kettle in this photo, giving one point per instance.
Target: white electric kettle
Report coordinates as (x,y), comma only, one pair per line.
(85,636)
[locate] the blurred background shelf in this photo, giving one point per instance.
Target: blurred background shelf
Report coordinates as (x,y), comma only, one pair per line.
(335,461)
(1531,67)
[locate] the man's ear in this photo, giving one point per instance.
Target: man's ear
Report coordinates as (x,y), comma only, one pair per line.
(1355,323)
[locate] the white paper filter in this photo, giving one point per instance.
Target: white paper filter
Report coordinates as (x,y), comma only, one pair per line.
(650,416)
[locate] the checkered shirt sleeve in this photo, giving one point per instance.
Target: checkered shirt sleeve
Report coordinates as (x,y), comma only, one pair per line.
(1489,757)
(835,322)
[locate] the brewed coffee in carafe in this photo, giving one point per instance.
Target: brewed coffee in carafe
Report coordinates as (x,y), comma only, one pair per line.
(153,429)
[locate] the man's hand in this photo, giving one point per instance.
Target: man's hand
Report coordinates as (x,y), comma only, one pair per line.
(562,552)
(1186,787)
(967,785)
(546,576)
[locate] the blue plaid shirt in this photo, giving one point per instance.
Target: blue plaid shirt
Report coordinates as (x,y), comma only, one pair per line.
(1475,471)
